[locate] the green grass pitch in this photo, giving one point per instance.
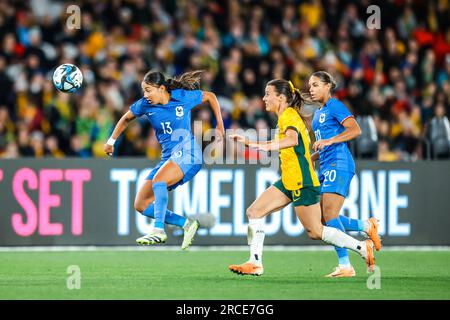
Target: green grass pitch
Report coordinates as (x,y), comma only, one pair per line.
(202,275)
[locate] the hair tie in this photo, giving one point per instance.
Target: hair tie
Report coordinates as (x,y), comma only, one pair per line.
(292,87)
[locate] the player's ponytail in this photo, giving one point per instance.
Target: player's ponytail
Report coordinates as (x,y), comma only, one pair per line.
(188,81)
(297,101)
(294,97)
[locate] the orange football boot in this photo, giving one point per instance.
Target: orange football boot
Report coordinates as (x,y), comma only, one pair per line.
(342,272)
(369,256)
(372,232)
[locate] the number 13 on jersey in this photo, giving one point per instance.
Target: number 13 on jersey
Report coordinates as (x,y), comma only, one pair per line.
(166,127)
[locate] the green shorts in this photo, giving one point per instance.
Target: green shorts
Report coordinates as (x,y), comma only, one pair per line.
(302,197)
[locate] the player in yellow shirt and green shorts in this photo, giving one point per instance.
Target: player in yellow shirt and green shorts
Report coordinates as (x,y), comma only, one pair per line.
(298,181)
(298,184)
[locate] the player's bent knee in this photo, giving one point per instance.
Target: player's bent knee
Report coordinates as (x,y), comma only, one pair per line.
(139,206)
(327,214)
(314,234)
(157,179)
(251,213)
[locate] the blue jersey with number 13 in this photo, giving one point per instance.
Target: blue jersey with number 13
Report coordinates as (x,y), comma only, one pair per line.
(171,121)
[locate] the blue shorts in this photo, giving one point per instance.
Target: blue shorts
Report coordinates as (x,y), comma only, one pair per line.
(335,181)
(190,161)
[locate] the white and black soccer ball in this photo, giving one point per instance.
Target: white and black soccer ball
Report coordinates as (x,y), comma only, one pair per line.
(67,78)
(206,219)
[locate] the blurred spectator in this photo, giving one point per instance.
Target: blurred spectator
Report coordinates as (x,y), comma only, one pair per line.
(52,148)
(385,154)
(438,133)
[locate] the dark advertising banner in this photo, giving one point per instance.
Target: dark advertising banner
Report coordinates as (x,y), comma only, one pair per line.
(90,202)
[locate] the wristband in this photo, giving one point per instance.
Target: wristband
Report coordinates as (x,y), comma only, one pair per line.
(111,141)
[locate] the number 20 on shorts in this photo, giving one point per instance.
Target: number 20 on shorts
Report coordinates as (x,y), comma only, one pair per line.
(330,175)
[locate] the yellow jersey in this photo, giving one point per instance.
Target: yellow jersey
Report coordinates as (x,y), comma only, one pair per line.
(297,169)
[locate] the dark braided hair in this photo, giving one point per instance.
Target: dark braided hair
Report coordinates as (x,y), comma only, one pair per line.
(188,81)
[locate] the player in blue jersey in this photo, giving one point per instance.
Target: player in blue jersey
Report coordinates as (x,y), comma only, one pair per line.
(333,125)
(167,105)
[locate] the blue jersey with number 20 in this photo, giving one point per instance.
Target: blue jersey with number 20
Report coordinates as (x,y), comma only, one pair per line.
(171,121)
(327,123)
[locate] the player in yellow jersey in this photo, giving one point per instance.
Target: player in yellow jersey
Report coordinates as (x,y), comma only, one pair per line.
(298,184)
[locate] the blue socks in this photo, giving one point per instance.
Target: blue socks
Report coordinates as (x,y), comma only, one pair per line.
(351,224)
(161,199)
(170,218)
(341,252)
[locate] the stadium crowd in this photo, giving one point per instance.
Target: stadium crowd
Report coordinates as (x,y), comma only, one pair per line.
(398,74)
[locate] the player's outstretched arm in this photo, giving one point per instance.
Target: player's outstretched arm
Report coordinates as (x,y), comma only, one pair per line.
(248,142)
(290,140)
(214,103)
(121,125)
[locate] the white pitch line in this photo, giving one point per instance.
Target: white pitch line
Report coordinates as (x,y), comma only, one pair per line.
(203,248)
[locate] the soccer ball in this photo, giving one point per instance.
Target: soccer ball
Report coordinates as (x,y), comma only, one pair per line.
(67,78)
(206,219)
